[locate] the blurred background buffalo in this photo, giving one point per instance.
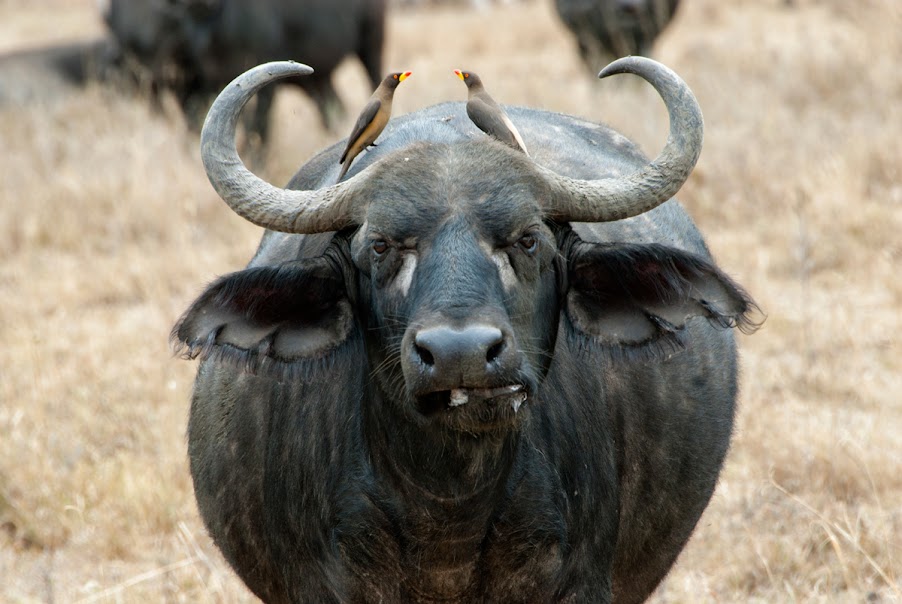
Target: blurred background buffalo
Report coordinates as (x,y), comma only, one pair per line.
(608,29)
(193,48)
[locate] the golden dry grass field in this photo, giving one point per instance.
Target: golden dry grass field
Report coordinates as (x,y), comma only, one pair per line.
(109,228)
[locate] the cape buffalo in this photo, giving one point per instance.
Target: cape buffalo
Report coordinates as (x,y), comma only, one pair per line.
(478,377)
(195,47)
(607,29)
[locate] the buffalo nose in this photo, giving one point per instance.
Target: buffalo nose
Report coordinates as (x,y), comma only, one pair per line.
(465,354)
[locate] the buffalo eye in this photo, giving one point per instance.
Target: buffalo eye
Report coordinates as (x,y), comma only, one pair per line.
(380,247)
(528,243)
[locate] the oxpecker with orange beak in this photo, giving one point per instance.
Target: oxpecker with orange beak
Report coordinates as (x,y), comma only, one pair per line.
(372,119)
(487,114)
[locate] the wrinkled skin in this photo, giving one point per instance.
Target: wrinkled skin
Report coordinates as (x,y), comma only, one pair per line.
(327,461)
(195,47)
(609,29)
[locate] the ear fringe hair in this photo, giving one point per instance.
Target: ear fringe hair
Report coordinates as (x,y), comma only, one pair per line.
(669,339)
(750,316)
(748,320)
(664,344)
(677,286)
(259,362)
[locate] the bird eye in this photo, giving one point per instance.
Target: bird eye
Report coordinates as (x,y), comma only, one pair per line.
(529,243)
(380,247)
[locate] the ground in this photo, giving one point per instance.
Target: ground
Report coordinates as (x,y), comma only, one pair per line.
(109,228)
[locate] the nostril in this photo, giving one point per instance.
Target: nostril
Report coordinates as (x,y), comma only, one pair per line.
(494,351)
(425,356)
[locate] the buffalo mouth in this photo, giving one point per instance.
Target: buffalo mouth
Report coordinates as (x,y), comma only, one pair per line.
(481,405)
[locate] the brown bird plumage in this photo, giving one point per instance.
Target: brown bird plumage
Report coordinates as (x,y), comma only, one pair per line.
(372,119)
(487,114)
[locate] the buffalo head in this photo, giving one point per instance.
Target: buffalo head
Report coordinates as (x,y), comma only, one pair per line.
(455,261)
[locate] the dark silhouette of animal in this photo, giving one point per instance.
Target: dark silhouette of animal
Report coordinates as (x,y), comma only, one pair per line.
(609,29)
(195,47)
(49,73)
(477,376)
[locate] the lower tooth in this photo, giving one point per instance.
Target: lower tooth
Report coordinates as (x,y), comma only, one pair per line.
(458,397)
(517,402)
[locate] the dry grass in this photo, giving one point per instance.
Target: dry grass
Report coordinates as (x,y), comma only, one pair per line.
(108,228)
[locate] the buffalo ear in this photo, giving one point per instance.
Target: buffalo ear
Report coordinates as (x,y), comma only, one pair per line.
(630,295)
(275,316)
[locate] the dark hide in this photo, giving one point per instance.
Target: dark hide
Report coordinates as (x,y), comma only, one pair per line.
(327,472)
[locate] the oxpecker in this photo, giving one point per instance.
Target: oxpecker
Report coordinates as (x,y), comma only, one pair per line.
(372,119)
(487,114)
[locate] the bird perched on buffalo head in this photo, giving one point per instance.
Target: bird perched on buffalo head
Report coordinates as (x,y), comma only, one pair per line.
(372,119)
(487,114)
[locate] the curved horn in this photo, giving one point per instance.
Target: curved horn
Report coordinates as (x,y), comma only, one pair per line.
(609,199)
(252,198)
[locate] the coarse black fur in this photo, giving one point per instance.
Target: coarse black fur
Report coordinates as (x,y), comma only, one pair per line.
(609,29)
(330,467)
(195,47)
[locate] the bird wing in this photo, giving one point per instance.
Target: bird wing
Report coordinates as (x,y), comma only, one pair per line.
(363,120)
(491,119)
(516,133)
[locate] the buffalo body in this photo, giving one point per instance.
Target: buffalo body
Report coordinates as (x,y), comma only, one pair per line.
(461,396)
